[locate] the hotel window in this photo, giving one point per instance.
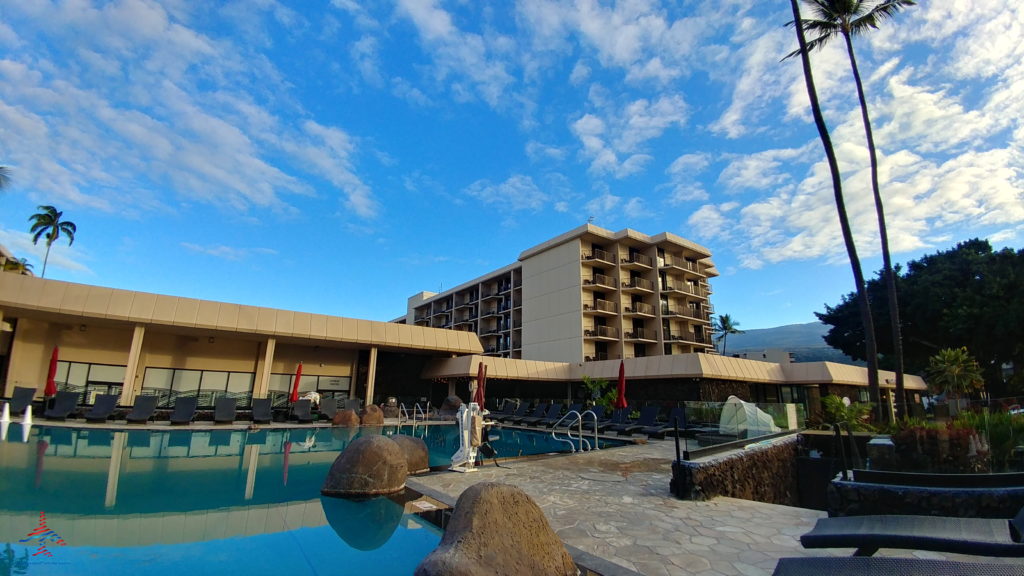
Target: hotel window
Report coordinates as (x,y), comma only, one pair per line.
(207,385)
(280,387)
(89,379)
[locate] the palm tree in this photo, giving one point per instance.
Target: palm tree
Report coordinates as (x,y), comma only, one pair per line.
(954,371)
(725,325)
(48,223)
(20,265)
(848,18)
(870,348)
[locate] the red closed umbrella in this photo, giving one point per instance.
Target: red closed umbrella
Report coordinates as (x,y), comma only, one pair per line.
(481,382)
(295,387)
(51,376)
(620,401)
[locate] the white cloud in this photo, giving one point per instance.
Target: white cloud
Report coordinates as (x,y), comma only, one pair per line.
(514,194)
(624,132)
(228,252)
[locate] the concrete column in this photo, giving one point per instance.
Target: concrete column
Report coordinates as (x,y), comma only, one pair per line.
(261,385)
(132,381)
(371,374)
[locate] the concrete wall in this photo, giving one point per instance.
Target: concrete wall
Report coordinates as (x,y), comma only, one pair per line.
(553,305)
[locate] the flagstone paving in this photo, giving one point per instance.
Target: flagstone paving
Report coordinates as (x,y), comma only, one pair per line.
(615,505)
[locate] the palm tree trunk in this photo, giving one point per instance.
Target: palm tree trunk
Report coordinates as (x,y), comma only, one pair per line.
(46,258)
(870,349)
(888,272)
(724,337)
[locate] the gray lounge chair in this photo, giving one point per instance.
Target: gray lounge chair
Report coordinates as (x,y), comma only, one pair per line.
(860,566)
(302,411)
(224,410)
(63,405)
(21,398)
(538,412)
(550,422)
(261,411)
(143,409)
(552,413)
(519,412)
(184,410)
(977,536)
(328,407)
(648,418)
(102,408)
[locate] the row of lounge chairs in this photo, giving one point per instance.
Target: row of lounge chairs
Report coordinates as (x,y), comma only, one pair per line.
(225,409)
(548,415)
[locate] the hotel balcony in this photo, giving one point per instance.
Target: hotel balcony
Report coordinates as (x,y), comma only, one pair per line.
(637,285)
(601,307)
(636,261)
(492,294)
(641,334)
(688,337)
(601,333)
(681,264)
(465,322)
(594,357)
(600,281)
(597,255)
(638,309)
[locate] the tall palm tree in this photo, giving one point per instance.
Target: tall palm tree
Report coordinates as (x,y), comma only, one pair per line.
(20,265)
(725,325)
(849,18)
(864,305)
(48,223)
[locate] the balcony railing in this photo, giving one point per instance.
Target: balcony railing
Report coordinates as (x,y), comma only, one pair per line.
(641,334)
(597,254)
(640,259)
(638,284)
(601,332)
(600,280)
(602,306)
(595,357)
(640,308)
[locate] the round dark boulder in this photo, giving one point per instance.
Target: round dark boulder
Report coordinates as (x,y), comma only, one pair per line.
(370,466)
(417,456)
(372,416)
(498,530)
(363,524)
(346,419)
(451,404)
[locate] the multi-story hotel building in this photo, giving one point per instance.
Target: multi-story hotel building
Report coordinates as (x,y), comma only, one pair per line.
(589,294)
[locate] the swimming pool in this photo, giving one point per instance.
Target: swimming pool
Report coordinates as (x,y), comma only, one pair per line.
(208,502)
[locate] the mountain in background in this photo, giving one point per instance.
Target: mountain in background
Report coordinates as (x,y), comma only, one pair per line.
(805,341)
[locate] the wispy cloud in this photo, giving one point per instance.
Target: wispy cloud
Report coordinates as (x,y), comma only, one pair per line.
(228,252)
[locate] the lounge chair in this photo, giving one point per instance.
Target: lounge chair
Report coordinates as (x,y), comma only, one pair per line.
(648,418)
(302,411)
(859,566)
(100,438)
(669,428)
(102,408)
(588,422)
(519,412)
(224,410)
(143,409)
(328,408)
(63,405)
(552,413)
(977,536)
(538,412)
(550,422)
(21,399)
(184,410)
(261,411)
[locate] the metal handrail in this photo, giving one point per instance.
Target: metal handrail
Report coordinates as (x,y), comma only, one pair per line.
(416,409)
(568,440)
(576,419)
(403,414)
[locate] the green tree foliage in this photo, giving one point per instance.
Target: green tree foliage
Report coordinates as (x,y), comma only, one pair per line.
(953,371)
(723,326)
(970,296)
(601,392)
(47,223)
(855,415)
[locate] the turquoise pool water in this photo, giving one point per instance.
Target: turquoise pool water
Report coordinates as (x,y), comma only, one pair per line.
(89,501)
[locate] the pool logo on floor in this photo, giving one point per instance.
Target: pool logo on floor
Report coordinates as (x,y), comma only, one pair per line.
(44,535)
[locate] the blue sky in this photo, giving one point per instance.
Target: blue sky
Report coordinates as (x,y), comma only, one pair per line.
(340,156)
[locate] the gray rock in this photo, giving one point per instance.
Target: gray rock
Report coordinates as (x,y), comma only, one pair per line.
(497,530)
(417,456)
(370,466)
(363,524)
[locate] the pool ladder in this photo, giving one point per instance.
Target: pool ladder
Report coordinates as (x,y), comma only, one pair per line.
(417,413)
(575,419)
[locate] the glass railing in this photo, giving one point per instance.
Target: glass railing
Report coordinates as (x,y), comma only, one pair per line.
(708,424)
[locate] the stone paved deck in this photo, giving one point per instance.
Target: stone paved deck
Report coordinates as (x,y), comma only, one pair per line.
(615,504)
